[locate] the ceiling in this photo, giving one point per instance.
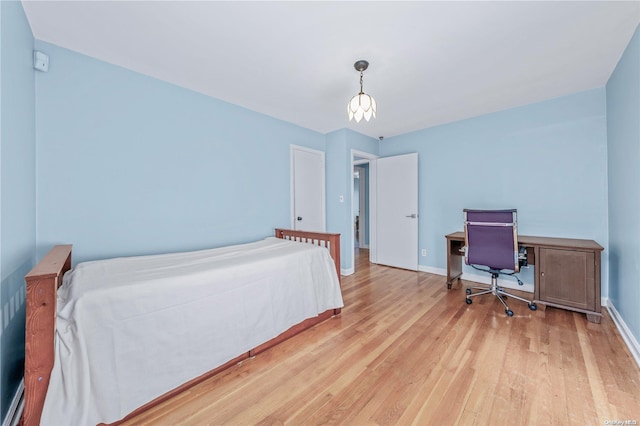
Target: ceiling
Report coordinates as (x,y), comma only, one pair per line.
(431,62)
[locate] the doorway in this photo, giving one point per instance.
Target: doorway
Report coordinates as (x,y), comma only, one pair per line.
(361,205)
(393,235)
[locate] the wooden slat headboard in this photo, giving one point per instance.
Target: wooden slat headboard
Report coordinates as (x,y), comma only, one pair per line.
(328,240)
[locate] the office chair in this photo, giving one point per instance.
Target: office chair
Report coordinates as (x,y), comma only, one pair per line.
(491,240)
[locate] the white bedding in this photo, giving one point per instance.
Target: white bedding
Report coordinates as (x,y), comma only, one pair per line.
(130,329)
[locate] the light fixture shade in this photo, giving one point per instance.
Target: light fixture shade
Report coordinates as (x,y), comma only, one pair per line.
(361,105)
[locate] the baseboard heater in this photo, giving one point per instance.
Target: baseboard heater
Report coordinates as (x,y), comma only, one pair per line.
(15,409)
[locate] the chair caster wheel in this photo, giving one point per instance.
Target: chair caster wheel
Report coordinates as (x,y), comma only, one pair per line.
(533,306)
(509,312)
(468,291)
(469,301)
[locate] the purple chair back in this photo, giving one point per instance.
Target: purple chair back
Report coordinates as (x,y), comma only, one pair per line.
(491,239)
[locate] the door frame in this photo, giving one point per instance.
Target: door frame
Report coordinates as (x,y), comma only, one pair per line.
(292,197)
(372,204)
(362,205)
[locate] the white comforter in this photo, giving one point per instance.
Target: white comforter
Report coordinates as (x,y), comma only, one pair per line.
(131,329)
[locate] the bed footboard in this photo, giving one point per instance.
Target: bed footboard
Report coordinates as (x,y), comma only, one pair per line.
(42,284)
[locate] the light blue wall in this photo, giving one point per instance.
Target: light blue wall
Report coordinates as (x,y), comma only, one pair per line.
(129,165)
(17,189)
(623,132)
(548,160)
(338,181)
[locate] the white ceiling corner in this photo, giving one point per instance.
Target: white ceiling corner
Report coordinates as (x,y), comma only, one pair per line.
(431,62)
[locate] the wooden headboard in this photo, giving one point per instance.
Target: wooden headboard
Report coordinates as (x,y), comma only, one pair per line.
(330,241)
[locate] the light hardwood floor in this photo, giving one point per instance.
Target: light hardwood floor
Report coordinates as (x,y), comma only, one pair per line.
(406,350)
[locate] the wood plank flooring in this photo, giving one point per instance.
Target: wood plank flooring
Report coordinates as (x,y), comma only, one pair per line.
(406,350)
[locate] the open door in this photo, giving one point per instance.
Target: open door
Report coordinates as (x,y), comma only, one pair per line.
(397,211)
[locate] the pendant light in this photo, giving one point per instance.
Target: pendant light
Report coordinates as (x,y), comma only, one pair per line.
(361,105)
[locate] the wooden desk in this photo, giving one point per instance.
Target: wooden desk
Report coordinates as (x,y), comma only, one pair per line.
(567,272)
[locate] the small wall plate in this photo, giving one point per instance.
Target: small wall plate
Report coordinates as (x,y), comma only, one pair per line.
(40,61)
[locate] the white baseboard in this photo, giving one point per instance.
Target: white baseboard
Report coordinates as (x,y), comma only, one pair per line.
(483,279)
(349,271)
(432,270)
(16,407)
(626,334)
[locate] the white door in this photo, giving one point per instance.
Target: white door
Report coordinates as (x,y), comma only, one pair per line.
(307,181)
(397,211)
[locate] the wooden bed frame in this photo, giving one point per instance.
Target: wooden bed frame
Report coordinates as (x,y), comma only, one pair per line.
(42,284)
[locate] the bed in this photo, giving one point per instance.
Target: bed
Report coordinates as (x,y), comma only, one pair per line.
(109,339)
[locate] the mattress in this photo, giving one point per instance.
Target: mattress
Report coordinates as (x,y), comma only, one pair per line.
(131,329)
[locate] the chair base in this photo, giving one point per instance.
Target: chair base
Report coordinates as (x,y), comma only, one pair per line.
(499,293)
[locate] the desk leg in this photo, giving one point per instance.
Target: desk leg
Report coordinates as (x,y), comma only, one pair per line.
(454,263)
(594,317)
(451,279)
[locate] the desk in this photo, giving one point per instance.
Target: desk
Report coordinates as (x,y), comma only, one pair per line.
(567,272)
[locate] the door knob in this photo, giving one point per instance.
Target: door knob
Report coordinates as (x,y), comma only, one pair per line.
(412,215)
(299,218)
